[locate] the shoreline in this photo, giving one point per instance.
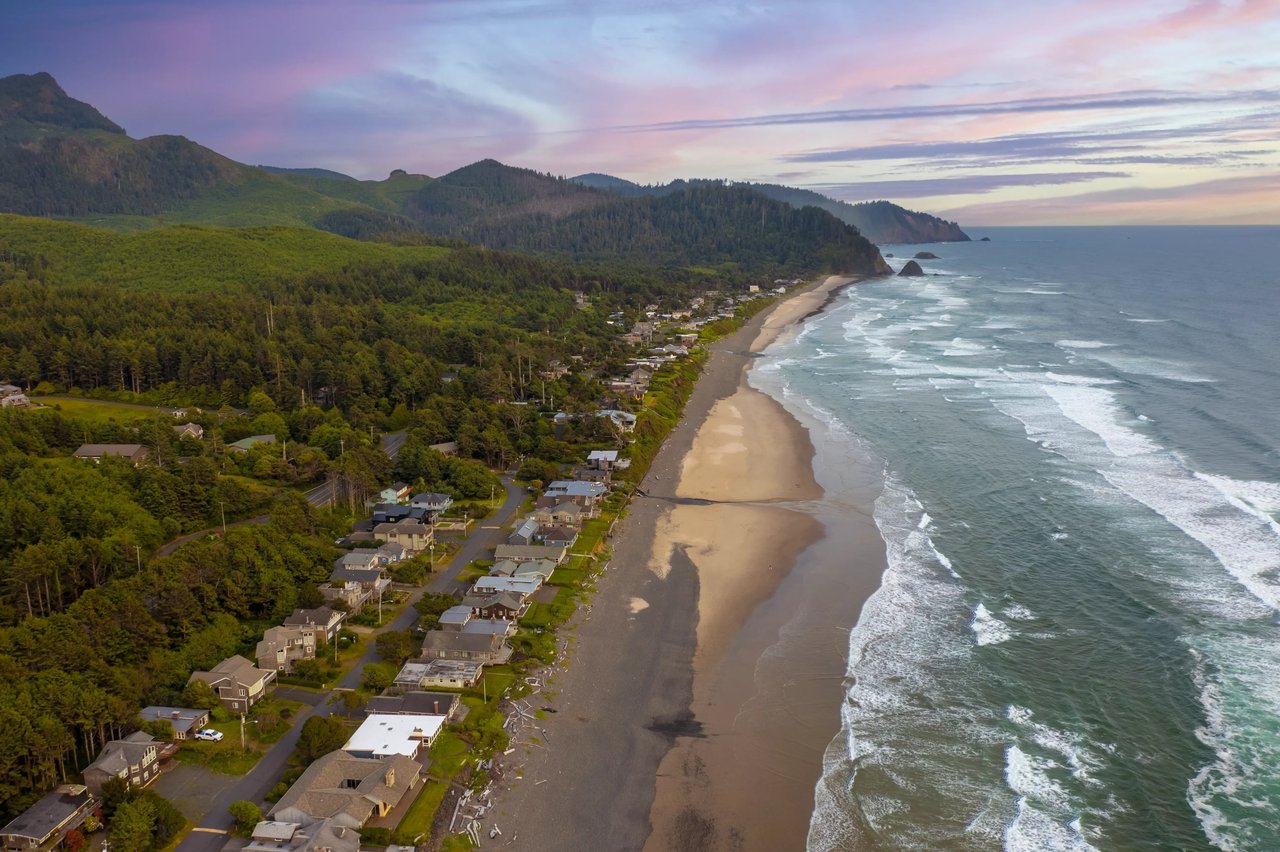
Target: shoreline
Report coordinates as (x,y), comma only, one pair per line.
(660,734)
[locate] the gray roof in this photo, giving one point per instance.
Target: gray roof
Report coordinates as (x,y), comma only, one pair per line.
(181,719)
(50,814)
(413,703)
(528,552)
(338,783)
(440,640)
(95,451)
(118,755)
(576,488)
(251,442)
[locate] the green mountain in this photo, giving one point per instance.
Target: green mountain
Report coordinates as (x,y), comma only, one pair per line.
(879,221)
(701,224)
(882,222)
(61,157)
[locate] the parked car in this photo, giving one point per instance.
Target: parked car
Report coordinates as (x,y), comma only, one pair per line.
(209,734)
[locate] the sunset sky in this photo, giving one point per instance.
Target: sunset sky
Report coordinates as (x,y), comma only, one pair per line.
(1086,112)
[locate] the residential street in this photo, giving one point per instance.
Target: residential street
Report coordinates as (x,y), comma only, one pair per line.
(212,832)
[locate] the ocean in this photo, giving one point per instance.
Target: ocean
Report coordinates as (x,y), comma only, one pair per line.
(1076,644)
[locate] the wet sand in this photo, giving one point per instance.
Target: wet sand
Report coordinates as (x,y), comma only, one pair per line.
(714,651)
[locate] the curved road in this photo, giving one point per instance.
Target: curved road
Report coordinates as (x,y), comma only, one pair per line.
(212,832)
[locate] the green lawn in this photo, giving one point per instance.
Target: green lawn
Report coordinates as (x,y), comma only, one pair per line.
(417,820)
(96,410)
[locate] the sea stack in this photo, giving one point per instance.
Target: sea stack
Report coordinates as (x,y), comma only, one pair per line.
(912,269)
(926,255)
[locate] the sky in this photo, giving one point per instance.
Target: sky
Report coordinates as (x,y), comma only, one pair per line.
(1087,112)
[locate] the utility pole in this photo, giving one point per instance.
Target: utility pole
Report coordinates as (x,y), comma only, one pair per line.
(222,506)
(242,742)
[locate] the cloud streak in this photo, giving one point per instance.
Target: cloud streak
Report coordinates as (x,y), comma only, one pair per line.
(964,185)
(1080,103)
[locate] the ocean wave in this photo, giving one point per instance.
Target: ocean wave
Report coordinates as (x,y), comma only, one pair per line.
(1082,344)
(1098,411)
(987,629)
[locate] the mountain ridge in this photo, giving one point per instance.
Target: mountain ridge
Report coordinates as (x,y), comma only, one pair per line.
(879,221)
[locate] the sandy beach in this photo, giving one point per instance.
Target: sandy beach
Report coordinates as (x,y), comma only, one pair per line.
(704,683)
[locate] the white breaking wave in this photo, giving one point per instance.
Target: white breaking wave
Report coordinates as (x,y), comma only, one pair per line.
(987,629)
(1096,409)
(1082,344)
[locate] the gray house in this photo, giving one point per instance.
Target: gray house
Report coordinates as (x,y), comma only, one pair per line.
(136,759)
(48,821)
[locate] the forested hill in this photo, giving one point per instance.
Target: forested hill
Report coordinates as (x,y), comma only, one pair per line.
(879,221)
(882,222)
(61,157)
(702,224)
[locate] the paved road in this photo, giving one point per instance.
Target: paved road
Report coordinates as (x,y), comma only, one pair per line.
(211,833)
(169,548)
(321,495)
(392,442)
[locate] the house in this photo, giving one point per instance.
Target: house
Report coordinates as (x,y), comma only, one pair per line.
(307,836)
(433,502)
(15,400)
(135,453)
(244,445)
(524,533)
(480,648)
(623,421)
(533,568)
(184,721)
(602,459)
(529,553)
(387,735)
(48,821)
(190,430)
(556,512)
(397,492)
(237,683)
(282,647)
(454,618)
(557,537)
(347,790)
(328,621)
(494,612)
(491,585)
(390,513)
(136,759)
(454,674)
(355,584)
(416,702)
(585,494)
(413,536)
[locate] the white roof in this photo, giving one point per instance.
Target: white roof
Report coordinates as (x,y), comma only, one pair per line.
(519,585)
(384,734)
(602,455)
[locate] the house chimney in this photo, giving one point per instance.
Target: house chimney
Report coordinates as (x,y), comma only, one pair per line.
(435,706)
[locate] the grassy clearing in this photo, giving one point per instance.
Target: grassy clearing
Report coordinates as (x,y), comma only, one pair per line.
(96,410)
(226,757)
